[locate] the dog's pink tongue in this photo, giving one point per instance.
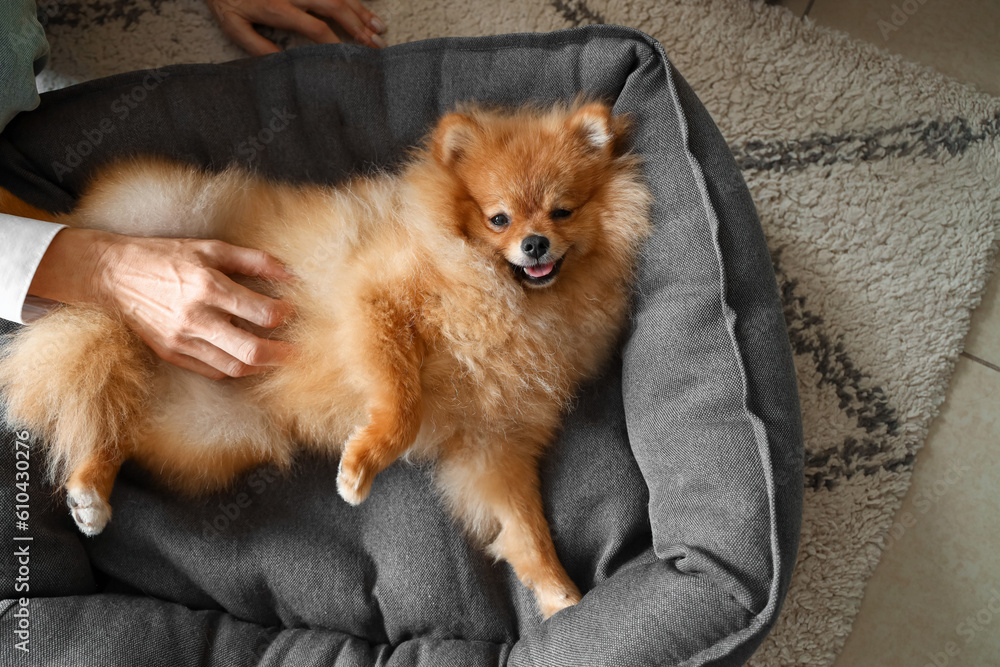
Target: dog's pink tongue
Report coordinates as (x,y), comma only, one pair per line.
(539,271)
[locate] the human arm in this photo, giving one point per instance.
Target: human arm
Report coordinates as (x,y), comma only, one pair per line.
(24,242)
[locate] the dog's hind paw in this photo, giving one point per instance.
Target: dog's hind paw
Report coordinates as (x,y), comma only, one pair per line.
(353,482)
(89,510)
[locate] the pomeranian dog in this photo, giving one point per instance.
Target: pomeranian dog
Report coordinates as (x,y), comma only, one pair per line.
(446,312)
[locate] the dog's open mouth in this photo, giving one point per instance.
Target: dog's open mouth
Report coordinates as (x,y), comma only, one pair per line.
(539,274)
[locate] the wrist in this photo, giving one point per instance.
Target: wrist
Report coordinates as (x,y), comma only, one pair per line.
(72,268)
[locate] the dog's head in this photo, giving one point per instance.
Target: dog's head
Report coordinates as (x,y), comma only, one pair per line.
(533,183)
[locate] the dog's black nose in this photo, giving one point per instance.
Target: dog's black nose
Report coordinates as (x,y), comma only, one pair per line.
(535,246)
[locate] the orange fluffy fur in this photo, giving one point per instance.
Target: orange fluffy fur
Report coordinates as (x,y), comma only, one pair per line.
(414,333)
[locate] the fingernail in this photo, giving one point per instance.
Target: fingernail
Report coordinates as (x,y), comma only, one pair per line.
(376,24)
(378,41)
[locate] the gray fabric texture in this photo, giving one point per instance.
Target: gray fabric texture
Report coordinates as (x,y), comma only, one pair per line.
(674,492)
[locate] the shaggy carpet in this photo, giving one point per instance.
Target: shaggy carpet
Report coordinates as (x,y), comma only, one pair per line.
(875,180)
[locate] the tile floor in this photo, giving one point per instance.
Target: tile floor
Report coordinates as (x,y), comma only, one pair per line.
(934,599)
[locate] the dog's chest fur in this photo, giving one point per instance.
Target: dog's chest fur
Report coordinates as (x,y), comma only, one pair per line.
(503,355)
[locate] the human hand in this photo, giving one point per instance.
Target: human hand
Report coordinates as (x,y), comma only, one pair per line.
(237,16)
(174,294)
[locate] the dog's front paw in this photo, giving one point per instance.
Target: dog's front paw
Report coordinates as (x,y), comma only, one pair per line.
(89,510)
(549,602)
(354,480)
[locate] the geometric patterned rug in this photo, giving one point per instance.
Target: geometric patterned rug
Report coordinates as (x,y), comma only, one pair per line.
(875,180)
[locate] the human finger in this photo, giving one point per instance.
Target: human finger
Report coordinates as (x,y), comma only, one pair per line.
(230,297)
(346,14)
(293,19)
(245,348)
(239,29)
(370,19)
(188,362)
(231,258)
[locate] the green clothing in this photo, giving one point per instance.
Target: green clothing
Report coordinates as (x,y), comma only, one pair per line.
(23,52)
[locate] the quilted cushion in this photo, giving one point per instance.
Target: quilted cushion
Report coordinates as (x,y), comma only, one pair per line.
(674,492)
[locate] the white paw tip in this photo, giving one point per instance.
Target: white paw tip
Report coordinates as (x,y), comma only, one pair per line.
(349,485)
(349,498)
(89,511)
(349,490)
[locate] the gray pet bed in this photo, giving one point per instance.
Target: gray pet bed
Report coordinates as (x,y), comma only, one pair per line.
(674,493)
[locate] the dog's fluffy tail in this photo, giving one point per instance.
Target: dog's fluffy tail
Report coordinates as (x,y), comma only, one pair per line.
(79,380)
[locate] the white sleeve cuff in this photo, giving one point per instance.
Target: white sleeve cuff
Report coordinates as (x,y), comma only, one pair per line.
(23,242)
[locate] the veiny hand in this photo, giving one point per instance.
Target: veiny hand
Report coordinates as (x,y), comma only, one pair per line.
(174,294)
(236,16)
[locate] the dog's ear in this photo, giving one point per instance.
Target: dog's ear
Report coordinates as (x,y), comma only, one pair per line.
(592,123)
(452,137)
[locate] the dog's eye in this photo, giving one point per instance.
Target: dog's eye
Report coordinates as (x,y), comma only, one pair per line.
(560,213)
(500,220)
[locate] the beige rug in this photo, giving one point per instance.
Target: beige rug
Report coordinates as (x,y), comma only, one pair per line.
(876,182)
